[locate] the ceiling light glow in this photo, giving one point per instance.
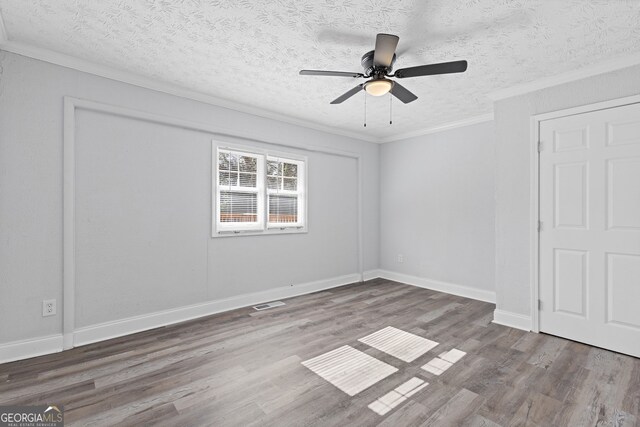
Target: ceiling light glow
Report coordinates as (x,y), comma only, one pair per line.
(378,87)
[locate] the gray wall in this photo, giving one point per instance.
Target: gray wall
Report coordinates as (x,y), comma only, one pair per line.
(456,203)
(513,155)
(437,206)
(143,194)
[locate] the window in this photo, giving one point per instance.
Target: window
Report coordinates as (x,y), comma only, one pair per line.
(239,188)
(244,204)
(284,193)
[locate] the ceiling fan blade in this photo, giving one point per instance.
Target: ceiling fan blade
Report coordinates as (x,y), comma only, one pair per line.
(347,95)
(402,93)
(385,49)
(330,73)
(432,69)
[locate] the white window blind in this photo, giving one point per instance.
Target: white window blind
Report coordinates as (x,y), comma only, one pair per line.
(258,192)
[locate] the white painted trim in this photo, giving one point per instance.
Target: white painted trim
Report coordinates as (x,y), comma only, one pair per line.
(70,106)
(512,320)
(160,86)
(85,66)
(118,328)
(245,134)
(568,77)
(75,63)
(359,216)
(437,285)
(534,217)
(52,344)
(4,38)
(262,228)
(440,128)
(371,274)
(26,349)
(534,185)
(68,213)
(619,102)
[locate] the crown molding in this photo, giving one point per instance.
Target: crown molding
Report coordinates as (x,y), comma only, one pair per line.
(441,128)
(90,67)
(3,31)
(75,63)
(568,77)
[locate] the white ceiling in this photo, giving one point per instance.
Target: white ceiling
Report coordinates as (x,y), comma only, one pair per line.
(250,51)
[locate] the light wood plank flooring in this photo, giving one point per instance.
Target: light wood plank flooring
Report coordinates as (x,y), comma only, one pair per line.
(243,368)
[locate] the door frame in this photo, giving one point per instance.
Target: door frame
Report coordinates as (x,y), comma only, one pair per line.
(534,181)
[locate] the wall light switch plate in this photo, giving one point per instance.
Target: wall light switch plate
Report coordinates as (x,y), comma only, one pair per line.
(49,307)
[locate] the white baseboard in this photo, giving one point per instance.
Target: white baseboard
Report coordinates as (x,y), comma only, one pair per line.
(513,320)
(131,325)
(370,274)
(436,285)
(26,349)
(18,350)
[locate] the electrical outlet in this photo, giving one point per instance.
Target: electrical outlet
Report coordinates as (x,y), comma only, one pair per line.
(400,258)
(48,307)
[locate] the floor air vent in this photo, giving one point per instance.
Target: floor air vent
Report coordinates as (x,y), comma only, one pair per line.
(268,305)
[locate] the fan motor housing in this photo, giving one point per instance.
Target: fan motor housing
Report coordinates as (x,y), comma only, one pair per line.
(370,69)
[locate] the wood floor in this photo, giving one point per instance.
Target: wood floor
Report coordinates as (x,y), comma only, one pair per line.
(244,368)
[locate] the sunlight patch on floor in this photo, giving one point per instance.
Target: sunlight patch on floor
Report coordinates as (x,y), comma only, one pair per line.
(398,343)
(349,369)
(444,361)
(398,395)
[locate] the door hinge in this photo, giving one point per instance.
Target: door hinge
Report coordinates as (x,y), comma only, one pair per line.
(540,224)
(540,146)
(539,304)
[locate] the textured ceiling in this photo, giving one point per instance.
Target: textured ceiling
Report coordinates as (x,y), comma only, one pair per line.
(250,51)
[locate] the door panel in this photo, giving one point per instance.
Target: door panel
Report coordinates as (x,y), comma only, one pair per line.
(623,292)
(571,139)
(625,132)
(570,195)
(590,240)
(623,193)
(570,282)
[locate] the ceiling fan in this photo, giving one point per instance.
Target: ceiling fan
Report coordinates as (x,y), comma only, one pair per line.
(378,64)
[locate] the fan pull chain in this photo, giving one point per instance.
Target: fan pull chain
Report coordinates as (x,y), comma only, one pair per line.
(390,110)
(365,109)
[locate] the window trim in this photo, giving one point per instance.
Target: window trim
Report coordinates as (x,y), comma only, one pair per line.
(262,228)
(259,225)
(301,193)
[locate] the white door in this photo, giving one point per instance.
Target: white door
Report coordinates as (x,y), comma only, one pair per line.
(590,237)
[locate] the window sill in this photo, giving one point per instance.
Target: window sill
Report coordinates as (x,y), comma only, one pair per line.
(268,232)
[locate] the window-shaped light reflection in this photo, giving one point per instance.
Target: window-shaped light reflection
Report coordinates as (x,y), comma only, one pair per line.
(398,395)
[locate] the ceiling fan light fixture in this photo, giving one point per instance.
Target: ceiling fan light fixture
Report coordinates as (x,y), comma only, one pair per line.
(377,65)
(378,87)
